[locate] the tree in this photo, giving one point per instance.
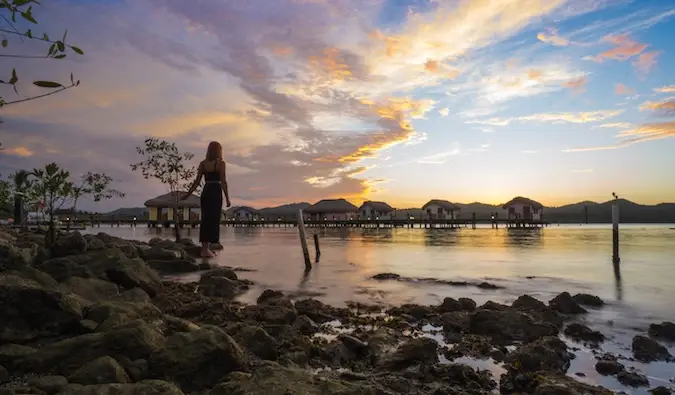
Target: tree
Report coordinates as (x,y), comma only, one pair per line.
(59,49)
(5,193)
(96,185)
(164,162)
(52,183)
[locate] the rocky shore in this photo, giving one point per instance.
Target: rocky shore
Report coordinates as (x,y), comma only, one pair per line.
(94,316)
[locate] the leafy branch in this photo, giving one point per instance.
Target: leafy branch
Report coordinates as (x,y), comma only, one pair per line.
(57,50)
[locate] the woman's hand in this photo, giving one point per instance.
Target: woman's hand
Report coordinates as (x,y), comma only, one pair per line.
(227,202)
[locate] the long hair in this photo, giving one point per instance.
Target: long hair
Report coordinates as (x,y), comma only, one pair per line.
(214,151)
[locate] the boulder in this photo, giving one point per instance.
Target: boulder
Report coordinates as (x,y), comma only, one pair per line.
(664,330)
(661,391)
(449,305)
(4,374)
(91,289)
(29,311)
(467,304)
(415,351)
(68,243)
(48,384)
(110,264)
(102,370)
(632,379)
(113,313)
(136,340)
(158,253)
(11,353)
(506,326)
(145,387)
(316,310)
(609,366)
(197,360)
(564,303)
(271,378)
(648,350)
(546,354)
(256,340)
(588,300)
(528,303)
(581,332)
(563,385)
(174,265)
(218,286)
(94,242)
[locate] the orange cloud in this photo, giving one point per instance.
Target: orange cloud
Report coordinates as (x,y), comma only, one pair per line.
(665,89)
(535,74)
(665,108)
(624,49)
(646,61)
(623,90)
(551,37)
(431,66)
(577,85)
(332,63)
(19,151)
(647,132)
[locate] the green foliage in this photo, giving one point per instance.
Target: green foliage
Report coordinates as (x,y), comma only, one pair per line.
(5,204)
(10,10)
(164,162)
(96,185)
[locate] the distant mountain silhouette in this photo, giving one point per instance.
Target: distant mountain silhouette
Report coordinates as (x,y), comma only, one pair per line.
(130,212)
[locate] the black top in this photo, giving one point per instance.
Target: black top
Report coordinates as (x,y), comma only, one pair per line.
(212,176)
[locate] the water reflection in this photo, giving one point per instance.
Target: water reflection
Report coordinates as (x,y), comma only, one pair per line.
(617,281)
(524,238)
(440,237)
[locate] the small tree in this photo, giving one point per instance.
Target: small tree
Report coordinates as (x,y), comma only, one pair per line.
(96,185)
(5,193)
(59,49)
(164,162)
(52,183)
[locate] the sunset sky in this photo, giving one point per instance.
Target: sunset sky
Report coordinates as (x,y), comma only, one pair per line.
(394,100)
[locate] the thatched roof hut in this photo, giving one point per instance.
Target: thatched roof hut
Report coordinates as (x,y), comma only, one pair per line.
(381,207)
(444,204)
(246,209)
(519,200)
(167,200)
(336,206)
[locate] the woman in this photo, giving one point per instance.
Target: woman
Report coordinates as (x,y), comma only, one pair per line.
(213,170)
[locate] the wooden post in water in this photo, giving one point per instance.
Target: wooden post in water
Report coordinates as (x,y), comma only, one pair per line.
(317,249)
(615,233)
(303,241)
(473,220)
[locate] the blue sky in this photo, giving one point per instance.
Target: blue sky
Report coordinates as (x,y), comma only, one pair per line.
(396,100)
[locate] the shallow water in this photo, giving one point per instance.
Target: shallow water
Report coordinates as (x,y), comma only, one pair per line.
(541,263)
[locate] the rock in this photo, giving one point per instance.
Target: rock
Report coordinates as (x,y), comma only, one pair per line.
(547,354)
(305,325)
(103,370)
(386,276)
(91,289)
(145,387)
(271,378)
(661,391)
(314,309)
(256,340)
(197,360)
(664,330)
(217,286)
(563,385)
(632,379)
(609,367)
(111,314)
(588,300)
(4,374)
(508,325)
(564,303)
(449,305)
(158,253)
(467,304)
(221,272)
(174,265)
(415,351)
(581,332)
(94,242)
(272,308)
(29,311)
(48,384)
(528,303)
(136,340)
(110,264)
(648,350)
(416,311)
(11,353)
(69,243)
(455,322)
(13,257)
(354,344)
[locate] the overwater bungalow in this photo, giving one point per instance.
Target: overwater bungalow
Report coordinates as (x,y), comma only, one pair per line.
(524,209)
(245,213)
(375,210)
(441,209)
(161,208)
(332,210)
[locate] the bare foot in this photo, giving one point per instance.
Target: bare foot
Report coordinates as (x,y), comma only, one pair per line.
(207,254)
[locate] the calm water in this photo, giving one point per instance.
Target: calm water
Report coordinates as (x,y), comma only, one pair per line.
(541,263)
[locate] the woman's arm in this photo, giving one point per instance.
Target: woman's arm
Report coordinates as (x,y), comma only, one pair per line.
(223,183)
(195,184)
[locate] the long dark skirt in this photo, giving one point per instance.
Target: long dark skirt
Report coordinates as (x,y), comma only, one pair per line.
(212,205)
